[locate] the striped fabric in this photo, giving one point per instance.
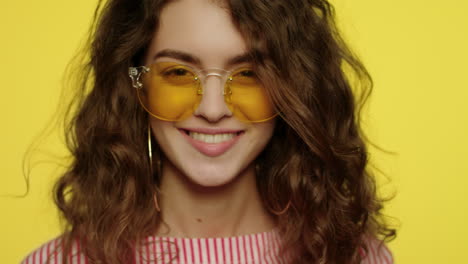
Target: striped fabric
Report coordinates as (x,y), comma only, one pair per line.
(377,253)
(247,249)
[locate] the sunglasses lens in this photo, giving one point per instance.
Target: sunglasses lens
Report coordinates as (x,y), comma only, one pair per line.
(247,98)
(170,91)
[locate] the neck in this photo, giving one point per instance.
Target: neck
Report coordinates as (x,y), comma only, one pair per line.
(191,210)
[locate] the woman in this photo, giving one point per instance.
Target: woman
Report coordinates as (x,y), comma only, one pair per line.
(218,132)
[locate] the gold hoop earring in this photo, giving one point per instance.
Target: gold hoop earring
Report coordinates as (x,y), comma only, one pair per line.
(150,156)
(282,211)
(288,205)
(150,149)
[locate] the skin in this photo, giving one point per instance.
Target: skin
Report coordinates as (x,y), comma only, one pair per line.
(206,196)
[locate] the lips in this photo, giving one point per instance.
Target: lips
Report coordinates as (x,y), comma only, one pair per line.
(212,142)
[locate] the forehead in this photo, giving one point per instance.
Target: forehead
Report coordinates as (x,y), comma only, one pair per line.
(202,28)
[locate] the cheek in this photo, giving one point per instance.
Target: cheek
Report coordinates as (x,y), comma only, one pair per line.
(265,130)
(161,131)
(263,133)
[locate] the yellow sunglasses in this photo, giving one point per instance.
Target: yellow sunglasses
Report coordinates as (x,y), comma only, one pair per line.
(172,91)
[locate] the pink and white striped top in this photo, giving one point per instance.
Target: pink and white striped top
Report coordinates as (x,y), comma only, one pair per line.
(246,249)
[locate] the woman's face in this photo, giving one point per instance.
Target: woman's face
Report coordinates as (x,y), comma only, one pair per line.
(211,147)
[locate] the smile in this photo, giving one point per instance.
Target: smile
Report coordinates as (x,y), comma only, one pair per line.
(210,138)
(211,143)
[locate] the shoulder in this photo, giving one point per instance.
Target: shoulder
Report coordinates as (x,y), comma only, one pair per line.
(376,253)
(51,252)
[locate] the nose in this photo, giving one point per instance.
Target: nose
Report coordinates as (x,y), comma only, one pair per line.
(212,105)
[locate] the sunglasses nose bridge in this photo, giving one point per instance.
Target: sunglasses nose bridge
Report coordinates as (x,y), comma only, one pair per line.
(209,76)
(213,105)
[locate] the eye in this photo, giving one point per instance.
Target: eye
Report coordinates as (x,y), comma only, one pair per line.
(245,76)
(177,75)
(179,72)
(247,73)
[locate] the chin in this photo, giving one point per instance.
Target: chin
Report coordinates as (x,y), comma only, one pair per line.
(212,175)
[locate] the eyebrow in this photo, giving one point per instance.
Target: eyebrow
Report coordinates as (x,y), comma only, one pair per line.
(241,58)
(177,54)
(187,57)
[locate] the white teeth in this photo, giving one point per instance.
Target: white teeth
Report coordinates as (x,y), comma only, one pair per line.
(208,138)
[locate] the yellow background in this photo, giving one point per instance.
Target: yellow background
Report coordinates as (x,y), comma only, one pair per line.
(417,52)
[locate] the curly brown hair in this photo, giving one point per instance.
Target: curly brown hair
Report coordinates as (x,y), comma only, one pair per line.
(314,169)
